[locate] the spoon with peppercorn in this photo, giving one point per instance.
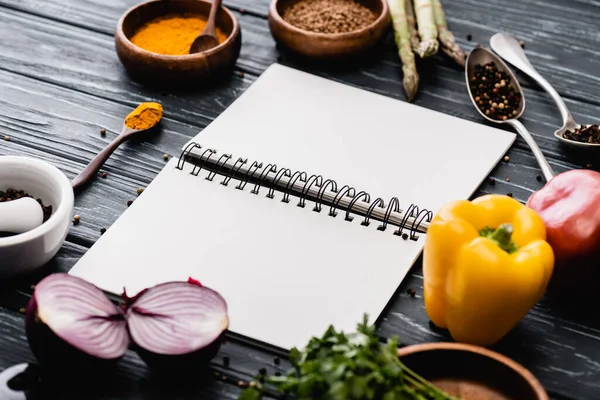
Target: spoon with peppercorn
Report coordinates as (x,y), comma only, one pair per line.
(497,95)
(571,133)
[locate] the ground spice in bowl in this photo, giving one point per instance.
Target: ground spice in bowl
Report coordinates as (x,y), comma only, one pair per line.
(494,93)
(329,16)
(15,194)
(584,134)
(172,35)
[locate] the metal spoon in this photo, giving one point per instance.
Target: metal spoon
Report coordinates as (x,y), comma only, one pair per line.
(479,56)
(208,38)
(509,49)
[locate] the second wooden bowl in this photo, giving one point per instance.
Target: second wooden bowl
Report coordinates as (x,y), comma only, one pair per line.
(326,46)
(472,372)
(188,70)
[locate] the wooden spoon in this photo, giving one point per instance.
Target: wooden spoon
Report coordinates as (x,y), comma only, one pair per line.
(208,38)
(90,171)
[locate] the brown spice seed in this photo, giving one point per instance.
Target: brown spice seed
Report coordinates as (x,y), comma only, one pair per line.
(104,175)
(103,131)
(22,310)
(507,179)
(165,156)
(76,218)
(6,138)
(506,158)
(140,190)
(328,16)
(129,202)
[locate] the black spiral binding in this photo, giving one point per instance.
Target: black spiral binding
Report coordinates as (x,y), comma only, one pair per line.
(405,230)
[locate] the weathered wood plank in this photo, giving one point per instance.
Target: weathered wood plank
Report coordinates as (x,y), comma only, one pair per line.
(62,127)
(100,73)
(566,370)
(566,56)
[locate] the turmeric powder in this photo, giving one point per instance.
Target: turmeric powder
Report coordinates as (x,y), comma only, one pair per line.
(172,35)
(145,116)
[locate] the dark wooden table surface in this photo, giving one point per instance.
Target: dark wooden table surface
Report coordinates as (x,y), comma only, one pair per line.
(61,82)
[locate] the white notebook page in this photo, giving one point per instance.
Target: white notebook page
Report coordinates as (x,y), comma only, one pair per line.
(374,143)
(286,272)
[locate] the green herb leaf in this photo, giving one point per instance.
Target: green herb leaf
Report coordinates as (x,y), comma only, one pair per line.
(350,366)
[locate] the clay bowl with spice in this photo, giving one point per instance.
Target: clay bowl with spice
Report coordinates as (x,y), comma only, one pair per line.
(472,372)
(328,29)
(152,41)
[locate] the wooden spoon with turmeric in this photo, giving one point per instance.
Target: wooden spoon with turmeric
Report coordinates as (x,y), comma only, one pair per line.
(144,117)
(208,38)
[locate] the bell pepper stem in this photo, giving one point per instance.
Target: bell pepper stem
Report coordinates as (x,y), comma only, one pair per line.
(501,236)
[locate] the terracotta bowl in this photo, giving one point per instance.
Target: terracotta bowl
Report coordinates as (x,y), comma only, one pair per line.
(472,372)
(324,46)
(199,68)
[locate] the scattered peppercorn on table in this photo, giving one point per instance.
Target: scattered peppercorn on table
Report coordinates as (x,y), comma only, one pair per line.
(64,94)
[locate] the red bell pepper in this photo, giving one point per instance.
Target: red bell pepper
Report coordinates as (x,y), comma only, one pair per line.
(569,204)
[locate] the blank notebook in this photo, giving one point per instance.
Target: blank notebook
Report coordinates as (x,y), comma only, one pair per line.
(305,204)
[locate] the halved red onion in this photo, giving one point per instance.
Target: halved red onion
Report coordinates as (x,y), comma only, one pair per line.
(70,320)
(182,319)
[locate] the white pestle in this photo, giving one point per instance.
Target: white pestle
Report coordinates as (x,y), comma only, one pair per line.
(21,215)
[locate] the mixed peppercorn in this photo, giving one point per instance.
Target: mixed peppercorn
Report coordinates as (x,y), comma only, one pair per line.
(494,93)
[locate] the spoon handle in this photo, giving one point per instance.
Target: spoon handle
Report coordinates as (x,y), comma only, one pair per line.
(539,156)
(507,47)
(94,166)
(212,17)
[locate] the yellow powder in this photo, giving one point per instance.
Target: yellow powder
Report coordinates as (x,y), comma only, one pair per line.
(145,116)
(171,35)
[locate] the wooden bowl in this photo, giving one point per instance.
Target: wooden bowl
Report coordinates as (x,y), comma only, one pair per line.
(325,46)
(199,68)
(472,372)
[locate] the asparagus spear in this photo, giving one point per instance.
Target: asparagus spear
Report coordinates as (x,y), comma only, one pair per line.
(427,28)
(402,38)
(448,44)
(412,26)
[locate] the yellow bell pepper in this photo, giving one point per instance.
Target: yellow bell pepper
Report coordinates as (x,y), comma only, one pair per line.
(486,263)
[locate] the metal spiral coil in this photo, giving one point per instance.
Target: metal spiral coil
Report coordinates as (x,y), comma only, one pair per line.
(295,176)
(186,153)
(234,170)
(197,168)
(408,227)
(211,174)
(263,175)
(378,202)
(248,175)
(282,172)
(367,198)
(322,193)
(313,180)
(393,206)
(345,191)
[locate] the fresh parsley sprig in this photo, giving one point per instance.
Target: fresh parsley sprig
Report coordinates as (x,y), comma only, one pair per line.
(352,366)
